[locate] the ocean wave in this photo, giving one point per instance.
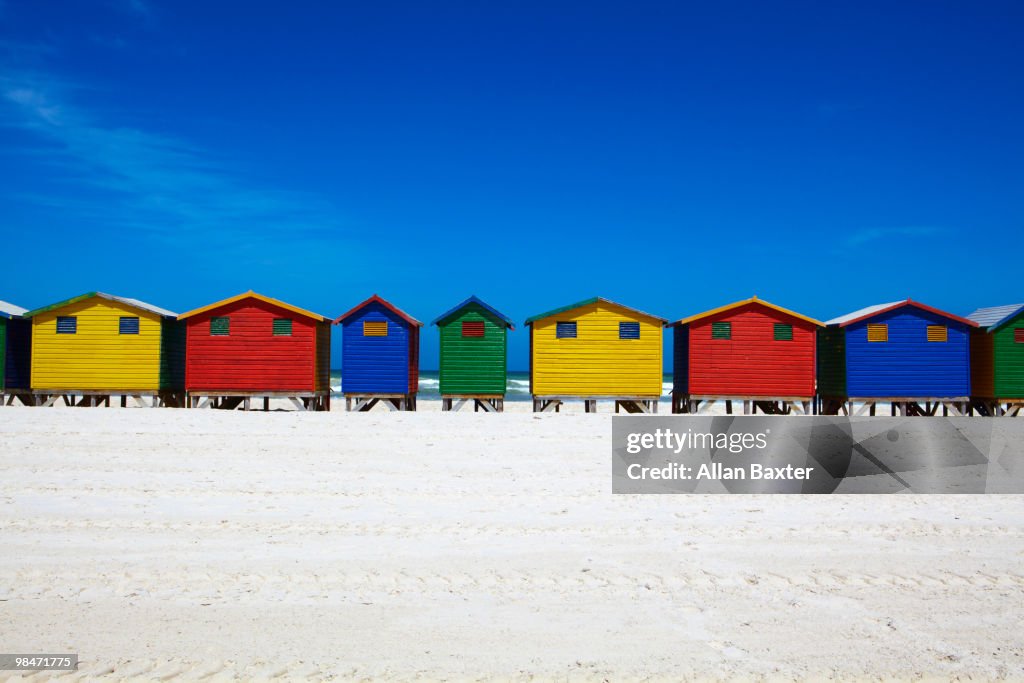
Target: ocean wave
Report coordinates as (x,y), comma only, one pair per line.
(517,386)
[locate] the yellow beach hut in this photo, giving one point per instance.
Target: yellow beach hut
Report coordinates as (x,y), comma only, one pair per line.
(596,350)
(94,346)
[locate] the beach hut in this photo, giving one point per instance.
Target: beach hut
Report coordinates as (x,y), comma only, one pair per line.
(15,353)
(474,356)
(94,346)
(997,360)
(750,351)
(252,346)
(379,356)
(596,350)
(913,356)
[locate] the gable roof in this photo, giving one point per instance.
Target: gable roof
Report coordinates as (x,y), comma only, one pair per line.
(259,297)
(474,300)
(588,302)
(996,316)
(134,303)
(383,302)
(744,302)
(10,310)
(871,311)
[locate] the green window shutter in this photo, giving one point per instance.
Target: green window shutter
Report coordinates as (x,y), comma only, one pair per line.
(721,330)
(282,327)
(783,332)
(220,327)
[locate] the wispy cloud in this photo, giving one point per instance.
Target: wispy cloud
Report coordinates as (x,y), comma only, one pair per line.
(864,236)
(149,182)
(140,7)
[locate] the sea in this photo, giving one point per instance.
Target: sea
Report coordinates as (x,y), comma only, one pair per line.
(517,385)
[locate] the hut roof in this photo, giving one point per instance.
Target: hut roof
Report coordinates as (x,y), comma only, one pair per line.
(588,302)
(259,297)
(871,311)
(473,300)
(383,302)
(744,302)
(134,303)
(996,316)
(10,310)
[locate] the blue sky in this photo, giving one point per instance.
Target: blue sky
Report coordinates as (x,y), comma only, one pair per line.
(672,156)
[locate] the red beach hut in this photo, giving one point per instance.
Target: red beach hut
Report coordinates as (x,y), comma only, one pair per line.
(252,346)
(751,351)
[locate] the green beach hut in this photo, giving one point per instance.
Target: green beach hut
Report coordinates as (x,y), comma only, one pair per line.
(474,356)
(997,360)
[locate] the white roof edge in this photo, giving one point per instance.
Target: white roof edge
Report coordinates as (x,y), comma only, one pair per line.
(993,315)
(11,309)
(139,304)
(868,310)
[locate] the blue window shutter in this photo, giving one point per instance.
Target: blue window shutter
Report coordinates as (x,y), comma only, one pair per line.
(565,330)
(128,325)
(629,330)
(67,325)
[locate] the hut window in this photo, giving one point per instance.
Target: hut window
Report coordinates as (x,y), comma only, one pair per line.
(375,328)
(629,330)
(878,332)
(938,333)
(721,330)
(783,332)
(282,327)
(1018,335)
(472,328)
(128,325)
(67,325)
(565,330)
(220,327)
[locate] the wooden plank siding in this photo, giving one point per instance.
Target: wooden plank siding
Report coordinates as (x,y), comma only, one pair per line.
(908,365)
(3,352)
(680,359)
(96,357)
(982,364)
(250,357)
(1008,350)
(596,362)
(832,362)
(755,359)
(323,356)
(172,355)
(374,364)
(473,364)
(18,357)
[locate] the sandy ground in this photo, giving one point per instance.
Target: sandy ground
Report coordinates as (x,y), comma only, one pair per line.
(173,543)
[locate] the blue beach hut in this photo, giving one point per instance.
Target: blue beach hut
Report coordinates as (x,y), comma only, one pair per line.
(913,356)
(380,356)
(15,351)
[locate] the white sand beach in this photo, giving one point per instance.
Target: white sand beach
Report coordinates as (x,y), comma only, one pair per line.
(163,544)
